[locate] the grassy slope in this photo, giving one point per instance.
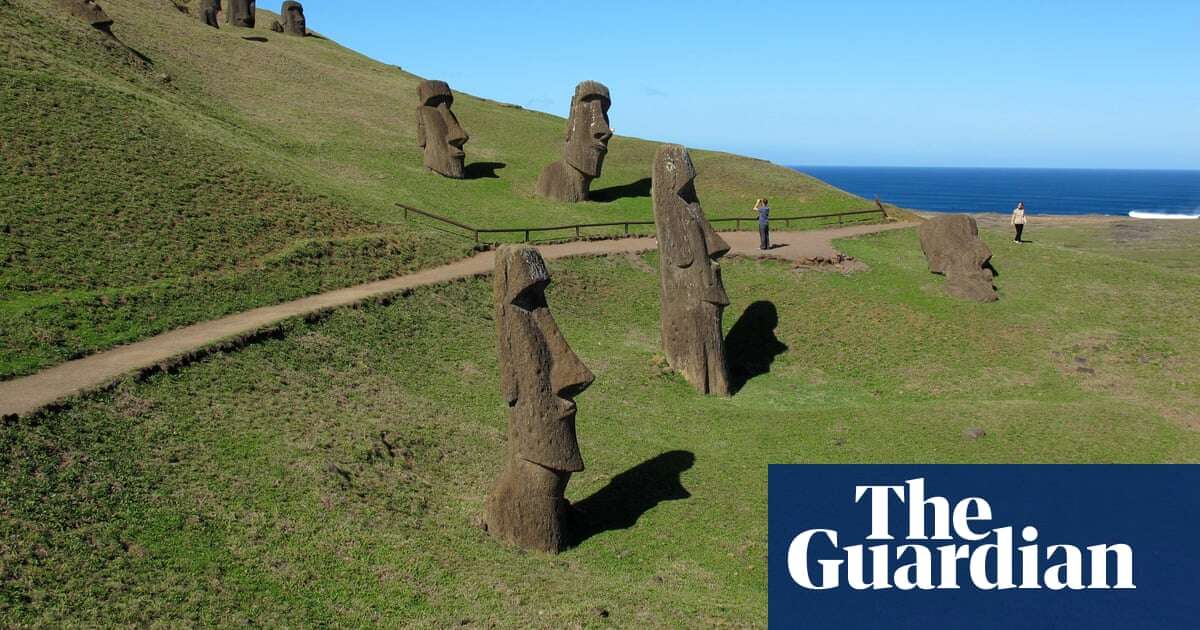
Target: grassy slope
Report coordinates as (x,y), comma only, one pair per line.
(327,476)
(262,171)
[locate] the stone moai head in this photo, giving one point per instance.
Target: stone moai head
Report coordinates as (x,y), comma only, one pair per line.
(693,296)
(293,18)
(240,13)
(88,11)
(438,131)
(588,132)
(209,9)
(953,248)
(540,376)
(586,145)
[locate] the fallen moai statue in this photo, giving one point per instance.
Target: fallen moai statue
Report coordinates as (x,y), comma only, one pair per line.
(953,248)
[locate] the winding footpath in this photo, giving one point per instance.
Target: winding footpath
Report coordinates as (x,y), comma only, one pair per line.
(26,395)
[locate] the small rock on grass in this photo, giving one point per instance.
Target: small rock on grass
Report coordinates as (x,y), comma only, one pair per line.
(974,433)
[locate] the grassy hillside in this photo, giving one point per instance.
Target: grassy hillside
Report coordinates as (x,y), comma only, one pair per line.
(238,168)
(326,477)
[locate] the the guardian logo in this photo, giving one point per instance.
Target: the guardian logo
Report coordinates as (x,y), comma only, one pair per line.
(975,552)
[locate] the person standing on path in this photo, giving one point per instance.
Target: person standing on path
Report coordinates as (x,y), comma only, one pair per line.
(1018,220)
(764,223)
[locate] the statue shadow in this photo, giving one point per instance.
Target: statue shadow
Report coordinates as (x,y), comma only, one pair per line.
(260,40)
(990,267)
(483,170)
(751,345)
(631,494)
(640,188)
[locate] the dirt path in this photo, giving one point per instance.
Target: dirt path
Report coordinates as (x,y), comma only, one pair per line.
(26,395)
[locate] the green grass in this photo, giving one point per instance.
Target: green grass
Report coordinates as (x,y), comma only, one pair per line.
(131,203)
(328,476)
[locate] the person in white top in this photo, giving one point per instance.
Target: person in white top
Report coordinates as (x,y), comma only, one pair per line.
(1018,221)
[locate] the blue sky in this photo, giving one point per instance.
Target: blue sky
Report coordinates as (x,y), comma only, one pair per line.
(1065,83)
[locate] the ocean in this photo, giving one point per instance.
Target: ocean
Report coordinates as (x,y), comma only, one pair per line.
(1044,191)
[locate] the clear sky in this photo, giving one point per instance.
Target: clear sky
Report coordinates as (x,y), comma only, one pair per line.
(1053,83)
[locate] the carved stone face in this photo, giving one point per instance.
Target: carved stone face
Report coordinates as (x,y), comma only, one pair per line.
(687,241)
(88,11)
(693,295)
(293,18)
(240,13)
(539,373)
(438,131)
(588,132)
(208,12)
(953,248)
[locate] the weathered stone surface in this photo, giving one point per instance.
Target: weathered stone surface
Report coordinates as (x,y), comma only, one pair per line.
(276,27)
(438,131)
(88,11)
(953,248)
(540,377)
(586,145)
(693,296)
(292,14)
(240,13)
(208,12)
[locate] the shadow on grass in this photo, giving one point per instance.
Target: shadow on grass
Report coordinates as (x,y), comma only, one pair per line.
(631,494)
(483,170)
(751,345)
(640,188)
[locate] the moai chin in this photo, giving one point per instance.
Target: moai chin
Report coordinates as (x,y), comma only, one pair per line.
(88,11)
(438,131)
(586,145)
(209,9)
(540,376)
(292,14)
(240,13)
(693,296)
(953,248)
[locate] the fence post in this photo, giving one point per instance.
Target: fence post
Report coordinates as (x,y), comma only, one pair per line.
(576,231)
(526,236)
(626,229)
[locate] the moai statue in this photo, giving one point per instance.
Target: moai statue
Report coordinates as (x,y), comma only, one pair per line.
(438,131)
(209,9)
(540,376)
(953,248)
(693,297)
(588,134)
(293,18)
(89,12)
(240,13)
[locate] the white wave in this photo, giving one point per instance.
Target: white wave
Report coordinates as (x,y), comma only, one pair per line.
(1138,214)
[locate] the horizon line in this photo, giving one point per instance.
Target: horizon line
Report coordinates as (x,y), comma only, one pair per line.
(999,168)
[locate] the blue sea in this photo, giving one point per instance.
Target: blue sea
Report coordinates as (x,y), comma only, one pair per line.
(1044,191)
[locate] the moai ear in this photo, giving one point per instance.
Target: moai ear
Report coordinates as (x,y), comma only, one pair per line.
(420,128)
(508,380)
(677,246)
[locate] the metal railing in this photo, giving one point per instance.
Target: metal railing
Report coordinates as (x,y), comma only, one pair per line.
(475,234)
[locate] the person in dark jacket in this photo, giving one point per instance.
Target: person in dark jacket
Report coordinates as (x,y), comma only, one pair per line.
(764,223)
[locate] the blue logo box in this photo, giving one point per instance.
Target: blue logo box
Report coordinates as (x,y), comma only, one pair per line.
(987,546)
